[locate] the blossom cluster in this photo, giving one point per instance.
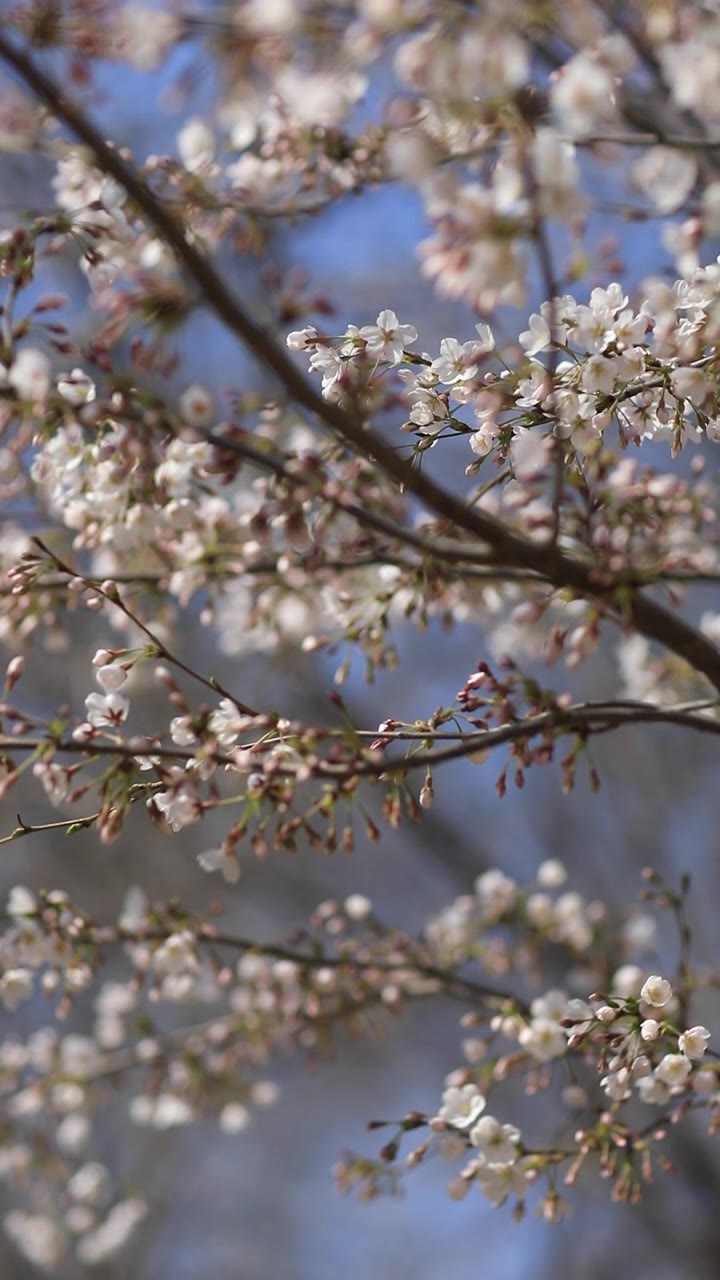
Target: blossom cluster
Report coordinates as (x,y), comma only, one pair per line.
(280,997)
(541,481)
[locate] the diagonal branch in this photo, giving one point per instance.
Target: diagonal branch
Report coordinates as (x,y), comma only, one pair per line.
(643,613)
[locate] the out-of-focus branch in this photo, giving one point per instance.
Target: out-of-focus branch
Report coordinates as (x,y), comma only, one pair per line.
(547,271)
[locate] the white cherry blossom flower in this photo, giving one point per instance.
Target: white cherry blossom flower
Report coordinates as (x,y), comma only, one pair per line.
(497,1143)
(529,454)
(357,906)
(616,1084)
(692,66)
(552,873)
(666,176)
(705,1081)
(37,1237)
(196,405)
(693,1043)
(16,985)
(599,374)
(650,1029)
(301,339)
(556,169)
(656,991)
(486,336)
(582,1014)
(113,1233)
(179,806)
(27,944)
(182,732)
(233,1118)
(144,35)
(582,95)
(673,1070)
(653,1091)
(169,1111)
(553,1004)
(641,1067)
(30,374)
(77,388)
(575,1097)
(134,912)
(73,1133)
(481,442)
(410,154)
(458,361)
(690,384)
(21,901)
(571,924)
(498,1181)
(627,981)
(496,894)
(221,860)
(176,954)
(196,144)
(111,677)
(640,932)
(90,1183)
(330,365)
(227,723)
(387,338)
(320,98)
(537,338)
(462,1106)
(544,1039)
(539,909)
(79,1056)
(606,1013)
(109,709)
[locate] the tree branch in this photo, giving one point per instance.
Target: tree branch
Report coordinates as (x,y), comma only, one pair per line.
(646,616)
(585,718)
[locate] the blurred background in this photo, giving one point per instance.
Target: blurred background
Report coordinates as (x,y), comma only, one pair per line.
(262,1204)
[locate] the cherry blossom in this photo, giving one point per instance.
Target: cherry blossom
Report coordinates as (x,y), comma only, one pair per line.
(194,497)
(29,374)
(673,1070)
(223,861)
(461,1107)
(16,985)
(498,1181)
(693,1042)
(656,991)
(108,709)
(76,387)
(387,338)
(497,1143)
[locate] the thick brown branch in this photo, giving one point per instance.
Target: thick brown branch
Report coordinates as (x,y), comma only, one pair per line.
(644,614)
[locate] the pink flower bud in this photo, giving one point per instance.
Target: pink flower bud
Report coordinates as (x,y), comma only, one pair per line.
(14,671)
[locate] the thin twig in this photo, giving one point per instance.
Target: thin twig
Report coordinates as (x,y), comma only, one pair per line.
(163,651)
(584,718)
